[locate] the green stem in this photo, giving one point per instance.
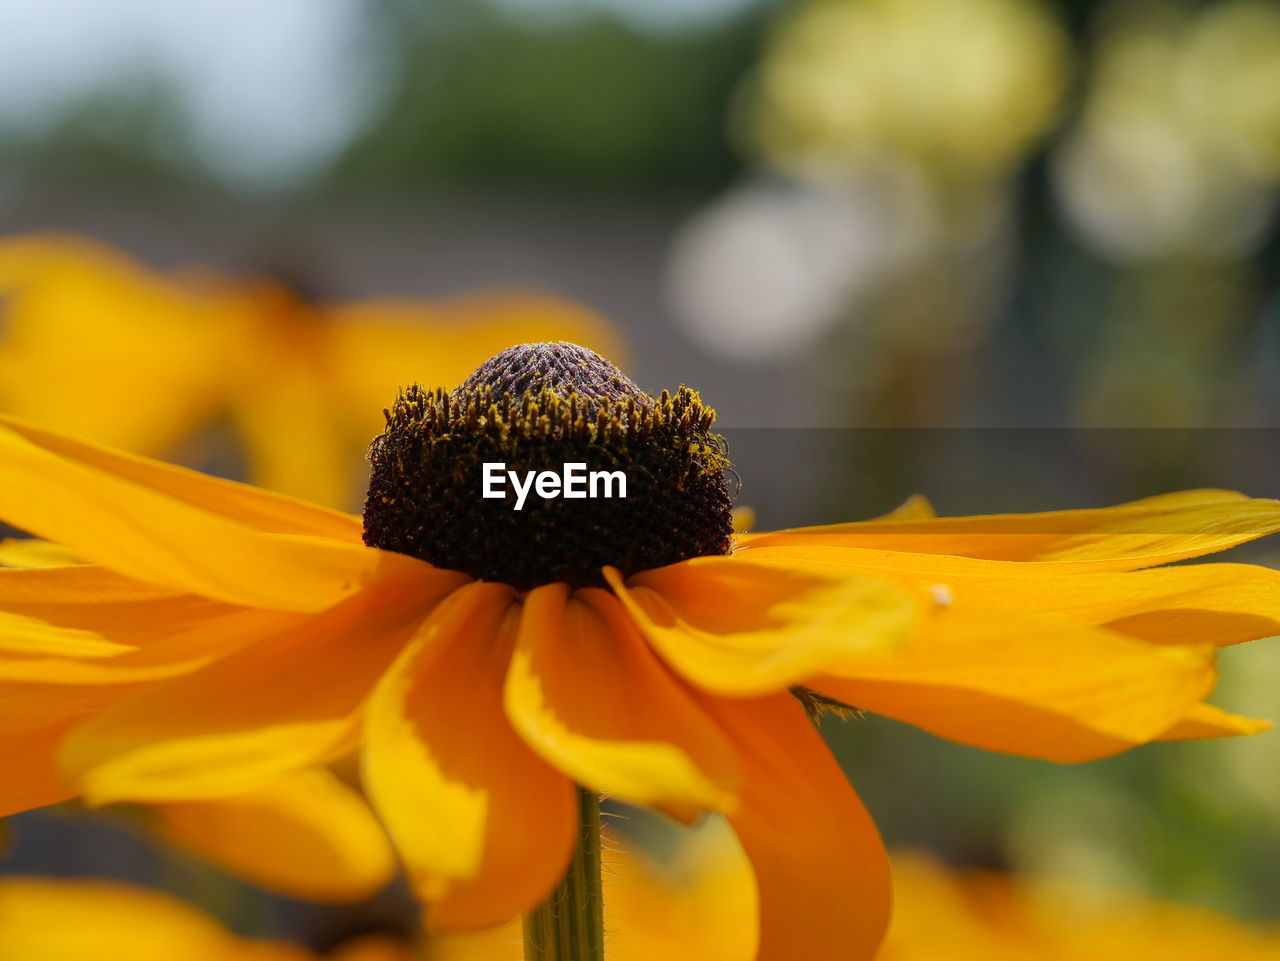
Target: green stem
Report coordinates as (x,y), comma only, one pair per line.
(569,924)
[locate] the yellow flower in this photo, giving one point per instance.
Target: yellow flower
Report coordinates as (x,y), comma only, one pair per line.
(961,87)
(699,907)
(981,915)
(302,385)
(45,920)
(222,637)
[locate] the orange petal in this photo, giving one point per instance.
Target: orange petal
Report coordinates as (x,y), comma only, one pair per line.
(176,528)
(134,623)
(25,635)
(32,779)
(1028,685)
(588,694)
(738,627)
(484,825)
(279,705)
(1205,720)
(41,591)
(260,509)
(37,705)
(160,652)
(55,614)
(307,835)
(1195,603)
(1129,536)
(33,720)
(42,697)
(30,552)
(821,870)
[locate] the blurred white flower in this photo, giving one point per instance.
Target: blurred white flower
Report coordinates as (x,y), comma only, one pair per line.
(763,271)
(1178,145)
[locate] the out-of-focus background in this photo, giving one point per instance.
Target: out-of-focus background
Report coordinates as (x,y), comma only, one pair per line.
(1011,254)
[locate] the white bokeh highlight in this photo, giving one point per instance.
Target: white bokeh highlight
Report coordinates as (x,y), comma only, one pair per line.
(765,270)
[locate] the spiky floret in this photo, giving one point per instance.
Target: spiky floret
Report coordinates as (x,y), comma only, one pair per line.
(818,706)
(536,408)
(561,367)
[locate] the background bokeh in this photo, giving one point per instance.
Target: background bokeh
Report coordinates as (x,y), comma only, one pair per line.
(1010,254)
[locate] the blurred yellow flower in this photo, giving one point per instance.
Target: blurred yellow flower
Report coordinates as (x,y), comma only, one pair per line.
(485,659)
(961,87)
(698,905)
(94,343)
(946,916)
(46,920)
(1178,145)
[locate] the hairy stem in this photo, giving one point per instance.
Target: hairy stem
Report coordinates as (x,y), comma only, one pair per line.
(569,924)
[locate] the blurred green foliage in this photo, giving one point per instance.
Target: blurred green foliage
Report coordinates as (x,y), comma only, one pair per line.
(476,97)
(466,95)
